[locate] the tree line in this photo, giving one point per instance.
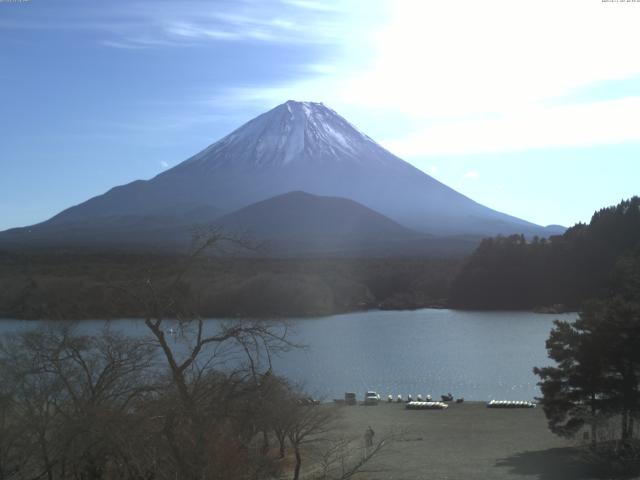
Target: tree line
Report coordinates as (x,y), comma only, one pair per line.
(36,285)
(563,271)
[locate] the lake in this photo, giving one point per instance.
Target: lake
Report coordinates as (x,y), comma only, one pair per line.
(476,355)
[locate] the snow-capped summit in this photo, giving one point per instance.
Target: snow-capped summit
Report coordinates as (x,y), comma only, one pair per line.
(289,133)
(296,146)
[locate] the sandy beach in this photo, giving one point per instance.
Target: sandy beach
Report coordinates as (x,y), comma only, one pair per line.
(466,441)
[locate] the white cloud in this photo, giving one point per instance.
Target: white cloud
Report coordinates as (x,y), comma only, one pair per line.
(236,20)
(477,77)
(164,164)
(444,59)
(123,45)
(471,175)
(192,31)
(596,123)
(310,5)
(156,23)
(321,68)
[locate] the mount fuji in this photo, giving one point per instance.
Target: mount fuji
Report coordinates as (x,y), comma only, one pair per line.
(295,147)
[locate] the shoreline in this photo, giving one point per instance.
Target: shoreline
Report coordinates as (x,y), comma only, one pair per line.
(8,316)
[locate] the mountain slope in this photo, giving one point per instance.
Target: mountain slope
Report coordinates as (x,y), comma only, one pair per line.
(298,223)
(302,215)
(293,147)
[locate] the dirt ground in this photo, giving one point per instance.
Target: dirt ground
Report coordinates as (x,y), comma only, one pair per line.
(466,441)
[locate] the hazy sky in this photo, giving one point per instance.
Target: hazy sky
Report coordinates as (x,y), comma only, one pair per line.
(529,107)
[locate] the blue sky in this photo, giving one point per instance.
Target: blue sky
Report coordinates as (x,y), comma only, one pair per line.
(531,108)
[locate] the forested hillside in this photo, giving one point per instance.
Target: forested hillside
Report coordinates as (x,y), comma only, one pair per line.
(76,286)
(562,272)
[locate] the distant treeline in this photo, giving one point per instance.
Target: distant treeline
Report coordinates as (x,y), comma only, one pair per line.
(77,286)
(503,273)
(561,272)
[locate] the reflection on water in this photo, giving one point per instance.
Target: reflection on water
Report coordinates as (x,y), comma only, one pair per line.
(477,355)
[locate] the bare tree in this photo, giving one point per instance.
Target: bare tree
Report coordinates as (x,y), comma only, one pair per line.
(311,428)
(343,458)
(308,424)
(71,394)
(196,352)
(280,403)
(9,434)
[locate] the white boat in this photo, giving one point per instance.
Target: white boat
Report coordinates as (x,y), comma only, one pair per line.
(510,404)
(426,406)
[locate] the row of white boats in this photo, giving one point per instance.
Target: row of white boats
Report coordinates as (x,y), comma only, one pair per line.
(492,404)
(510,404)
(419,398)
(427,403)
(426,406)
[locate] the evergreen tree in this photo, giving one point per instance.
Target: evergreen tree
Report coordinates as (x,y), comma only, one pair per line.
(597,375)
(573,392)
(512,273)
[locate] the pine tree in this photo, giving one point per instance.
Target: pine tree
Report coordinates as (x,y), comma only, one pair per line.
(597,376)
(573,392)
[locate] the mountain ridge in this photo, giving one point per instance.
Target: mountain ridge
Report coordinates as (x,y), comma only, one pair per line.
(296,146)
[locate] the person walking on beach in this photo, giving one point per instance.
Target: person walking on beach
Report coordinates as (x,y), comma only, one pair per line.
(368,442)
(368,436)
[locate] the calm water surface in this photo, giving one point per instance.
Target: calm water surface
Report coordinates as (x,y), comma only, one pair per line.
(477,355)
